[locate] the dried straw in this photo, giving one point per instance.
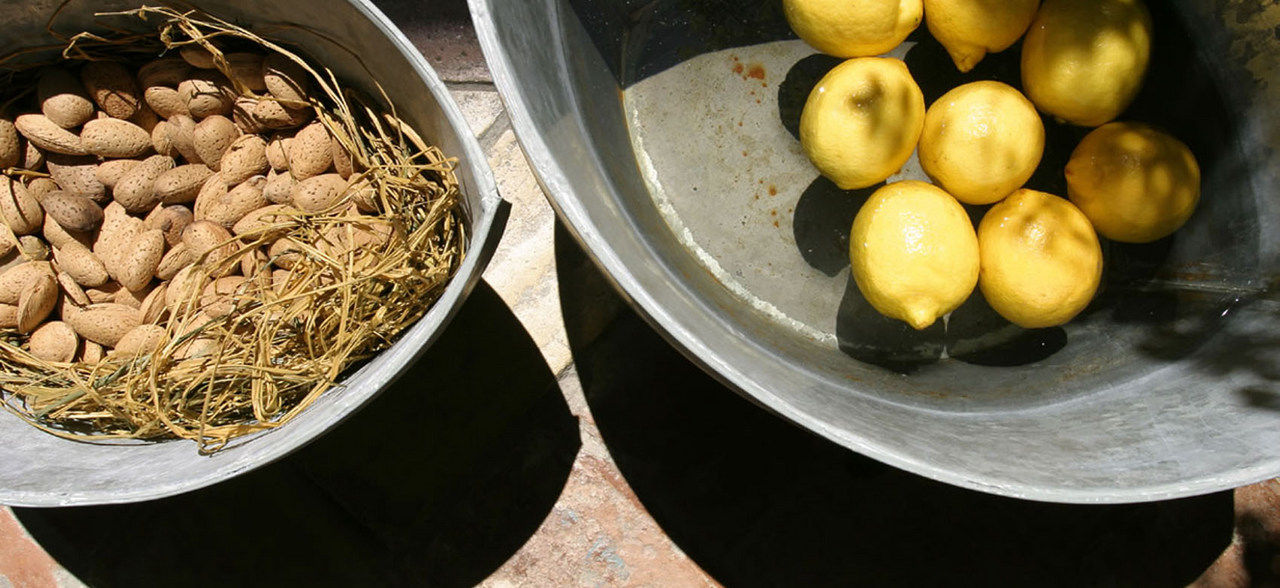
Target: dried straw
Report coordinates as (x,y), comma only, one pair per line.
(354,285)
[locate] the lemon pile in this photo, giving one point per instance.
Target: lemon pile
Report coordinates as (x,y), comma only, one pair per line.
(1036,257)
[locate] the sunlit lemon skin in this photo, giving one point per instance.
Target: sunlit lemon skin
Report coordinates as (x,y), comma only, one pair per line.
(970,29)
(1135,183)
(853,28)
(862,121)
(1041,260)
(913,252)
(1083,61)
(981,141)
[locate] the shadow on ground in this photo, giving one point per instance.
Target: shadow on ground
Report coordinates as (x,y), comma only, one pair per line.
(437,482)
(756,501)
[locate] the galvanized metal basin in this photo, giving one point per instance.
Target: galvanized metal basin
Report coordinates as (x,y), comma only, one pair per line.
(38,469)
(663,132)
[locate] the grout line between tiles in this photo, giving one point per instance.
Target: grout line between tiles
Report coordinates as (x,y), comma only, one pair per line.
(490,136)
(470,86)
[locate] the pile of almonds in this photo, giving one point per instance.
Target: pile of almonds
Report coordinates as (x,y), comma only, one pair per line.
(128,186)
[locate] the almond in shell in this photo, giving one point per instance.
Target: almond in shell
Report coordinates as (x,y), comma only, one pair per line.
(278,152)
(310,152)
(112,87)
(177,258)
(319,193)
(105,324)
(286,80)
(33,158)
(63,98)
(108,173)
(58,236)
(8,241)
(207,93)
(187,283)
(242,115)
(41,186)
(182,137)
(81,264)
(114,138)
(74,293)
(197,56)
(45,134)
(10,144)
(219,298)
(247,157)
(54,341)
(237,202)
(279,188)
(181,184)
(103,294)
(92,353)
(266,222)
(131,298)
(342,160)
(72,211)
(273,114)
(36,301)
(77,175)
(213,191)
(135,266)
(212,137)
(162,139)
(140,340)
(153,305)
(145,118)
(16,279)
(136,190)
(211,242)
(19,209)
(165,101)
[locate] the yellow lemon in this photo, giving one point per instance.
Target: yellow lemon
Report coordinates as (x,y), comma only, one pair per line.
(913,252)
(1041,261)
(970,29)
(862,121)
(1135,183)
(853,28)
(981,141)
(1083,60)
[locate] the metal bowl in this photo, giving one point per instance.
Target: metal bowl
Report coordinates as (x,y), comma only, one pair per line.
(38,469)
(664,134)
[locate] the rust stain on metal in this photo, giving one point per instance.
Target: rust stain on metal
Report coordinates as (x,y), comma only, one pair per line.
(773,190)
(755,71)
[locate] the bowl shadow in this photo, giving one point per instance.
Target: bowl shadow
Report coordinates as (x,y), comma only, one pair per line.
(756,501)
(438,481)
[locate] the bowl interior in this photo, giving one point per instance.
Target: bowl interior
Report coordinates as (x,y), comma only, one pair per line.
(43,470)
(669,127)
